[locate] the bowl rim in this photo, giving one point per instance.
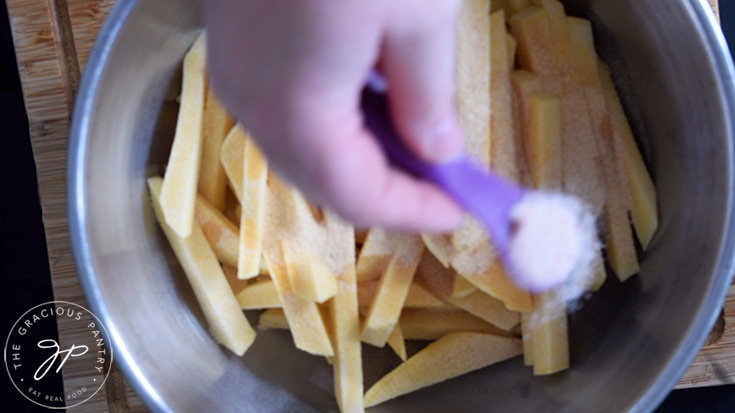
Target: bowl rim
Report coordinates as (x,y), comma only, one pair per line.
(707,313)
(716,47)
(75,201)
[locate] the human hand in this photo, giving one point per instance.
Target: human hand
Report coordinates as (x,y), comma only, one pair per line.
(292,72)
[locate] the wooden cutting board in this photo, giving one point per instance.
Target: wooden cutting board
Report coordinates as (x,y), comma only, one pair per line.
(53,39)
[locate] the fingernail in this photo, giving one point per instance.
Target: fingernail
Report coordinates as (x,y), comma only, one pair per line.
(443,142)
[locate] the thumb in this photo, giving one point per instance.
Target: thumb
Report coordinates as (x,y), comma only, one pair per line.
(418,63)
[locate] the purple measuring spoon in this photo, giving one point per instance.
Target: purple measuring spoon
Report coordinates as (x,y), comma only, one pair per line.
(492,200)
(480,192)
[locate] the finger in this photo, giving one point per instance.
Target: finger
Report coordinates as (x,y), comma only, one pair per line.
(348,172)
(418,63)
(366,190)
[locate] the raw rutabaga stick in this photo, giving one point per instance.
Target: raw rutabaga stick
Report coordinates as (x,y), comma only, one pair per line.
(448,357)
(440,246)
(618,235)
(550,322)
(226,320)
(487,308)
(255,174)
(510,7)
(236,284)
(307,326)
(432,324)
(329,239)
(309,277)
(377,251)
(233,159)
(545,336)
(394,286)
(492,280)
(505,156)
(543,141)
(221,233)
(544,330)
(179,191)
(397,343)
(468,249)
(461,287)
(473,77)
(438,280)
(262,294)
(540,119)
(550,342)
(312,279)
(417,296)
(540,115)
(273,318)
(511,45)
(588,79)
(543,48)
(473,101)
(345,319)
(212,179)
(644,208)
(580,155)
(534,48)
(481,268)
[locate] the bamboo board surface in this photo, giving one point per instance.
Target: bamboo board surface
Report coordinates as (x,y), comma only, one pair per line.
(715,7)
(53,40)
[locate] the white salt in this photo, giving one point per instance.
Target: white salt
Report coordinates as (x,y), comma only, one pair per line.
(553,239)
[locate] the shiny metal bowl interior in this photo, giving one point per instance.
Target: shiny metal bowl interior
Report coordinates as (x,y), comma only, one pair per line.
(629,343)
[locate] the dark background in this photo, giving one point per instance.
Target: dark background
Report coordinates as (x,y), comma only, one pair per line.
(26,280)
(24,267)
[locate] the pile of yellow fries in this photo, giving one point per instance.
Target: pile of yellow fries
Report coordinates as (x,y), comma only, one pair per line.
(535,103)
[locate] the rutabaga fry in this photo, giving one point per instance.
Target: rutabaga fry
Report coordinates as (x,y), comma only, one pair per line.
(179,191)
(226,321)
(254,176)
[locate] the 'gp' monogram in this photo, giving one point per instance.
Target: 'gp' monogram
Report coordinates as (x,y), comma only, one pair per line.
(49,362)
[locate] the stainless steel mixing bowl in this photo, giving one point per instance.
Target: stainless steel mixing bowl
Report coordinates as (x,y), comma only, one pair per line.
(629,343)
